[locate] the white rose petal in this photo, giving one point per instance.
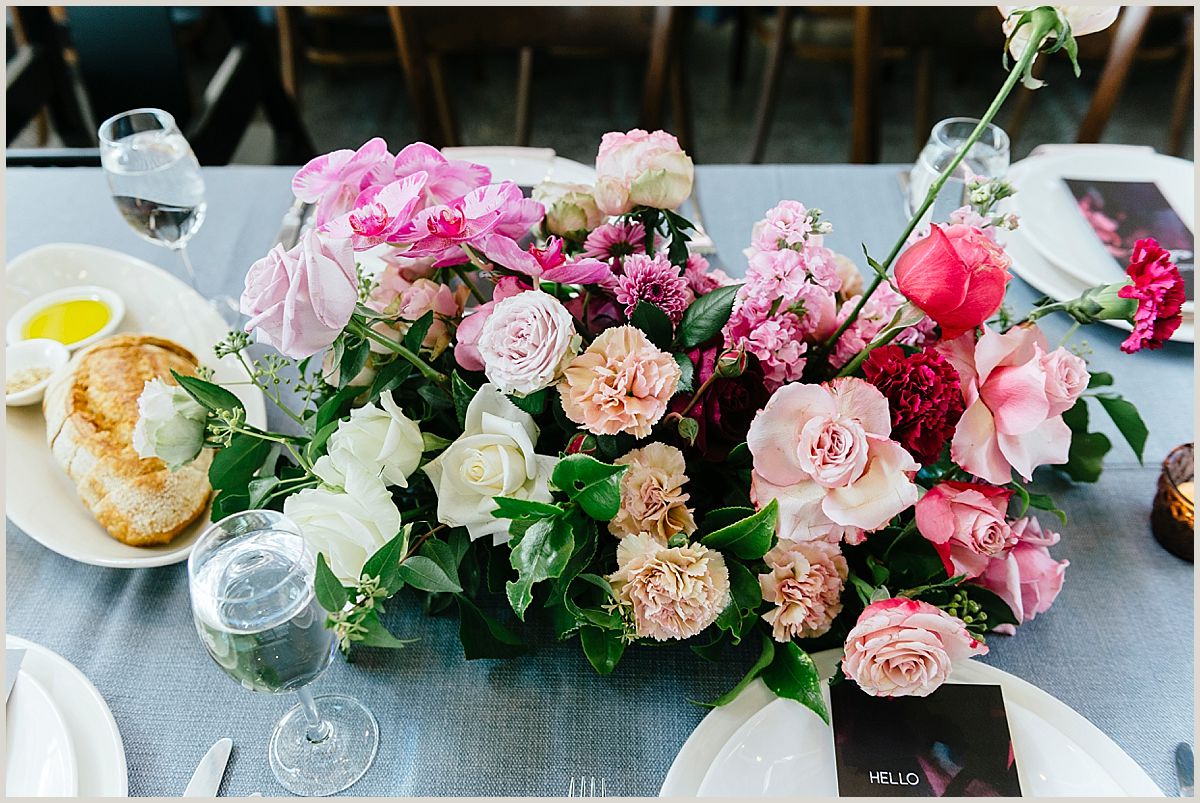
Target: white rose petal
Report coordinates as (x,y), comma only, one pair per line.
(385,442)
(170,424)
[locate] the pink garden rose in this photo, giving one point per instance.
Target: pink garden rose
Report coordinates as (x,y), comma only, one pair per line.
(1026,578)
(526,341)
(1015,395)
(956,275)
(824,453)
(965,523)
(298,301)
(332,181)
(408,300)
(804,582)
(905,648)
(466,345)
(639,168)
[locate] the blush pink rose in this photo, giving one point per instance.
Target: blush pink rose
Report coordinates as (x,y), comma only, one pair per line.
(298,301)
(824,453)
(1067,378)
(1013,417)
(965,523)
(905,648)
(526,342)
(641,168)
(1026,578)
(408,300)
(466,345)
(956,276)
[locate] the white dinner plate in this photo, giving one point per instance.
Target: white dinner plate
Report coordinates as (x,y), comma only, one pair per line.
(1049,215)
(765,746)
(41,499)
(39,758)
(99,751)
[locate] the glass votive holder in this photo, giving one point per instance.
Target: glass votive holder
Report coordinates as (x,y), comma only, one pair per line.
(1173,517)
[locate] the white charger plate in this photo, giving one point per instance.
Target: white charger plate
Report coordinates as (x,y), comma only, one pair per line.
(1051,220)
(760,745)
(99,751)
(41,499)
(39,758)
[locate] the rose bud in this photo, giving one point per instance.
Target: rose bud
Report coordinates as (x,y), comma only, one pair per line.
(581,443)
(731,363)
(956,276)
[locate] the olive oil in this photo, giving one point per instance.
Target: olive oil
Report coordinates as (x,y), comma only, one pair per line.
(68,321)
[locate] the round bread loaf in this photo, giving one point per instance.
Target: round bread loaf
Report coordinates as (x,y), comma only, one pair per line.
(91,408)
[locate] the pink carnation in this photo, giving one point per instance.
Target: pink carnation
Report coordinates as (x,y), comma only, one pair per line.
(701,278)
(1158,288)
(804,584)
(656,281)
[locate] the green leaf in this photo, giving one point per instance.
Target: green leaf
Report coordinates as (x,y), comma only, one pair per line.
(227,503)
(1085,459)
(484,637)
(613,446)
(687,373)
(1100,380)
(210,396)
(541,554)
(233,467)
(724,516)
(793,674)
(1128,420)
(764,660)
(432,443)
(327,588)
(706,315)
(444,555)
(603,648)
(377,635)
(313,450)
(421,572)
(533,404)
(385,563)
(689,429)
(415,335)
(745,597)
(391,375)
(654,323)
(353,360)
(524,509)
(750,538)
(1046,502)
(594,485)
(334,408)
(461,393)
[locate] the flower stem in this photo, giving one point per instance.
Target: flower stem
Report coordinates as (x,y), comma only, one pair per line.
(1074,328)
(1042,24)
(861,357)
(462,274)
(427,370)
(699,392)
(274,397)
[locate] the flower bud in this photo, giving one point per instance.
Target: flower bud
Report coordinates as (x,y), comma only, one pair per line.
(582,443)
(1102,304)
(731,363)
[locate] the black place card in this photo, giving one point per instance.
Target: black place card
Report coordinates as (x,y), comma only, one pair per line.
(953,743)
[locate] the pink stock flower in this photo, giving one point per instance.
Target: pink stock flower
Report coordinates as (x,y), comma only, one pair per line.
(334,180)
(380,213)
(466,346)
(965,523)
(804,582)
(298,301)
(823,452)
(615,241)
(656,281)
(640,168)
(447,180)
(1013,418)
(1026,577)
(904,647)
(701,278)
(785,226)
(1158,289)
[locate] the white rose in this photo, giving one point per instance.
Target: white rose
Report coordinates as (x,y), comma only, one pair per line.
(346,526)
(569,207)
(170,424)
(1082,20)
(526,342)
(493,457)
(638,168)
(385,442)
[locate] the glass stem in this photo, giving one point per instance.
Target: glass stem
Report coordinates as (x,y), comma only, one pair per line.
(318,729)
(187,266)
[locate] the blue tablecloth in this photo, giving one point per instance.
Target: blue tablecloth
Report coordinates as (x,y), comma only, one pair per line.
(1117,646)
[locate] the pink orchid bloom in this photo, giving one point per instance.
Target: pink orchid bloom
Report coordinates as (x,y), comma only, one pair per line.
(380,213)
(489,219)
(334,180)
(447,179)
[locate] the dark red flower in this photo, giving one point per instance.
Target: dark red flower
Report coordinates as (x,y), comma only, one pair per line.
(923,395)
(726,409)
(1158,289)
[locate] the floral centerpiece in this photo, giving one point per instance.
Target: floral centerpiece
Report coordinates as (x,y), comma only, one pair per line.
(549,404)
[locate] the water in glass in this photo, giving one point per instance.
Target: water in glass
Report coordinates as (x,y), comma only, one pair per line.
(156,183)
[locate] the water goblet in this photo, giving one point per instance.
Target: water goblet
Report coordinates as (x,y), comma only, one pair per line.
(987,158)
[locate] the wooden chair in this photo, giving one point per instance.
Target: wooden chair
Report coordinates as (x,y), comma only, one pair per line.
(331,36)
(426,36)
(39,81)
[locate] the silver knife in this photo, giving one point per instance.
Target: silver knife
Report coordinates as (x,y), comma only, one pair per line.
(293,221)
(1185,770)
(12,665)
(207,777)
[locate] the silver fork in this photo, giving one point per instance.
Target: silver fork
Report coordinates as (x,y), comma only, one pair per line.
(587,786)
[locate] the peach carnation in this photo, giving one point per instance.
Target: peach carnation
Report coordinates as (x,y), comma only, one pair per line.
(674,592)
(652,497)
(621,383)
(805,584)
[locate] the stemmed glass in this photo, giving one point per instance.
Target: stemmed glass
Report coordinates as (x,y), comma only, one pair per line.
(988,158)
(251,581)
(156,184)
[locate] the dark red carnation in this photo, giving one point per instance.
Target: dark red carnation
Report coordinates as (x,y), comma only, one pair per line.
(1158,289)
(726,409)
(923,395)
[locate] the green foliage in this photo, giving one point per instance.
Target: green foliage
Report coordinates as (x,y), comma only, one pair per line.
(525,509)
(750,538)
(424,573)
(745,599)
(212,397)
(594,485)
(1085,460)
(374,634)
(330,593)
(687,374)
(351,358)
(654,323)
(765,658)
(602,647)
(461,393)
(386,562)
(706,316)
(1128,420)
(233,467)
(533,404)
(415,335)
(793,674)
(541,554)
(484,637)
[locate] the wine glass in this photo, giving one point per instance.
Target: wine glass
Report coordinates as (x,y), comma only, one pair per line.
(988,158)
(156,184)
(251,581)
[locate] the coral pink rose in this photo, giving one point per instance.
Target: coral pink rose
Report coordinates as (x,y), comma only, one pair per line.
(955,275)
(824,452)
(1014,409)
(1027,578)
(639,168)
(965,523)
(299,300)
(904,647)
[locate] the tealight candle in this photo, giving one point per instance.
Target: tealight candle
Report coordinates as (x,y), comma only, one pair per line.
(1173,517)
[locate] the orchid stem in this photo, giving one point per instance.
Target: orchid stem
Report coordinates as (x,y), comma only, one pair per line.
(466,279)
